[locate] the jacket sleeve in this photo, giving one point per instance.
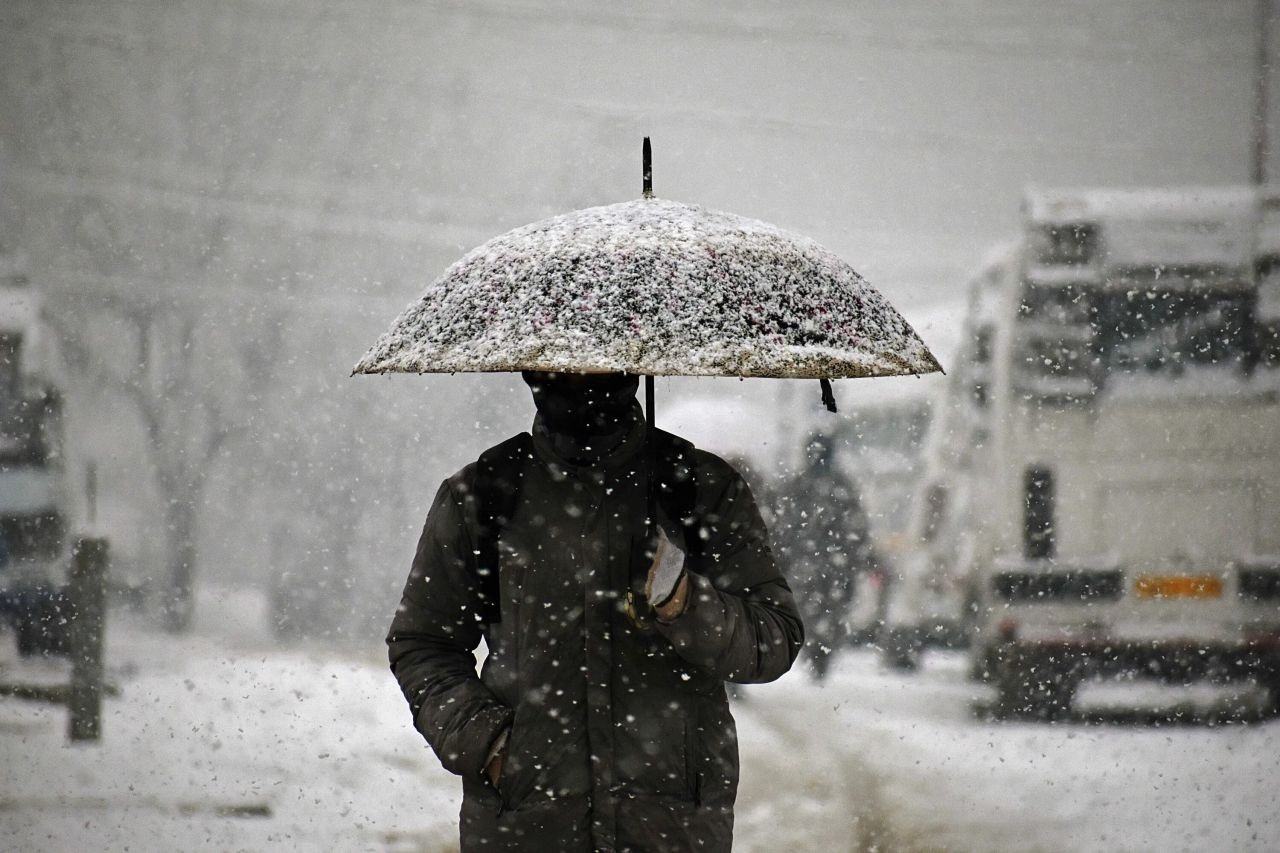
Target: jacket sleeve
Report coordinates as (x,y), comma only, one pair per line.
(740,622)
(432,641)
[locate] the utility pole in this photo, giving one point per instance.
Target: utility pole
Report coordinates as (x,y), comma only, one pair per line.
(88,603)
(1262,73)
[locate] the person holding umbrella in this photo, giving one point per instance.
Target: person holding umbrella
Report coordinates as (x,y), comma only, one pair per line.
(598,723)
(618,576)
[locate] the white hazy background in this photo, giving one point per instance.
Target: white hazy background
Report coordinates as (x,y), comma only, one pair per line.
(226,201)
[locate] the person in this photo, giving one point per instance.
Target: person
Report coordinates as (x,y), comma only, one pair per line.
(618,579)
(824,541)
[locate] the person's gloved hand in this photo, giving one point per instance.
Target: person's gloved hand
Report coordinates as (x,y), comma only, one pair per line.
(667,586)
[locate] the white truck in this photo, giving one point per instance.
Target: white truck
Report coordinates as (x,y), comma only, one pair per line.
(1102,488)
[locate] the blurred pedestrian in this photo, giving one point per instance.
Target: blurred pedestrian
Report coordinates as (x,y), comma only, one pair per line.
(824,543)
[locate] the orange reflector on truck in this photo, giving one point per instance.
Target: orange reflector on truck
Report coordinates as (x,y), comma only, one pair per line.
(1179,586)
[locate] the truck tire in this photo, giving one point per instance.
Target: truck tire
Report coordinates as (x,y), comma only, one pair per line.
(28,636)
(1269,677)
(1032,686)
(901,650)
(984,663)
(41,623)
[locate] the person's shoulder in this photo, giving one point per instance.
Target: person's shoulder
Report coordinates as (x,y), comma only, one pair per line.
(493,460)
(708,465)
(714,465)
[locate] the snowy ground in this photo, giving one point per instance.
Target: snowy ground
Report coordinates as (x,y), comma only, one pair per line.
(220,742)
(922,773)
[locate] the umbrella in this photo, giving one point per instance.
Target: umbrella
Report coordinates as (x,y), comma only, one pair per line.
(655,288)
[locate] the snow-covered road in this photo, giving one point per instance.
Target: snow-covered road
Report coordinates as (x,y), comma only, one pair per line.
(921,772)
(219,742)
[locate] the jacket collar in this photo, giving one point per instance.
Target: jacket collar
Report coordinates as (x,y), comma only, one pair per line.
(595,453)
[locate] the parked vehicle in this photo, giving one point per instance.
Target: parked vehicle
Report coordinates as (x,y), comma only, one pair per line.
(1103,477)
(34,492)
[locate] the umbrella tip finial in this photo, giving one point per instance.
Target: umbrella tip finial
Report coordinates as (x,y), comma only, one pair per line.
(646,156)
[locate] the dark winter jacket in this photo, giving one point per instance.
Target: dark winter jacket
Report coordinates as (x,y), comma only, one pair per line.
(620,738)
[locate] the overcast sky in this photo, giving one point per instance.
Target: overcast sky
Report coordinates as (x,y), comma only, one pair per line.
(899,133)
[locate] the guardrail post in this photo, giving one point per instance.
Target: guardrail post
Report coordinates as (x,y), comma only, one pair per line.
(87,592)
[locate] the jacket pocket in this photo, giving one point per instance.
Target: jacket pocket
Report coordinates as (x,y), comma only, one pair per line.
(545,758)
(516,762)
(692,758)
(652,757)
(716,763)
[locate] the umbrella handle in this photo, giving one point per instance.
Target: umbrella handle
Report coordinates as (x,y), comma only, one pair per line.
(651,499)
(648,402)
(646,171)
(651,455)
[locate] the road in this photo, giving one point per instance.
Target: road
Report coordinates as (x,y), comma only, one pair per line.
(884,761)
(222,741)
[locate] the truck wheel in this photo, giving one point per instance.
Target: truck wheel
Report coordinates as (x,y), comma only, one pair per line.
(28,630)
(1269,677)
(984,663)
(901,651)
(1032,687)
(971,621)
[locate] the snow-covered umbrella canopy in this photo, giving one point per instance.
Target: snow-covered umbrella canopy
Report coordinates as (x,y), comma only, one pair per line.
(657,288)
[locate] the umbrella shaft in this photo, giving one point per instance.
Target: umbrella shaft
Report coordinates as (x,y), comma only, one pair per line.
(650,449)
(646,164)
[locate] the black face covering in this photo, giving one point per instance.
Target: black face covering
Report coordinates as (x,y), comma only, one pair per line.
(583,404)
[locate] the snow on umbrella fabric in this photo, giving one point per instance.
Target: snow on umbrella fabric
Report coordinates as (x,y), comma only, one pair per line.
(657,288)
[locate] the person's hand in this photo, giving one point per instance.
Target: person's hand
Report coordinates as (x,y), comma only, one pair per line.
(667,586)
(493,769)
